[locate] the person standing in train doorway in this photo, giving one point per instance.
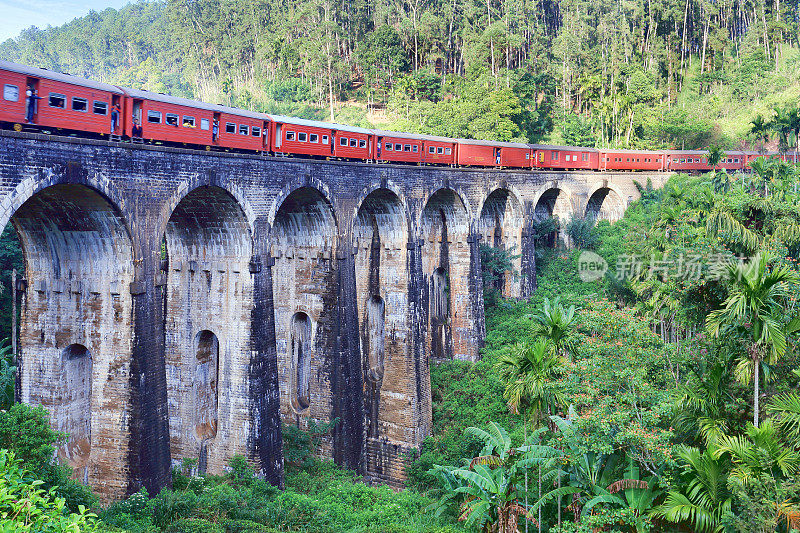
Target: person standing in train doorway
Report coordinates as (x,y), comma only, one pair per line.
(215,131)
(114,118)
(31,97)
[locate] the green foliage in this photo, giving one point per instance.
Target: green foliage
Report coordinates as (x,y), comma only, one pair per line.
(581,232)
(299,446)
(10,258)
(26,507)
(8,373)
(496,264)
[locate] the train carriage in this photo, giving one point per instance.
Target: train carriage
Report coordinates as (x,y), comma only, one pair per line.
(297,136)
(393,146)
(565,157)
(493,153)
(617,159)
(179,120)
(65,102)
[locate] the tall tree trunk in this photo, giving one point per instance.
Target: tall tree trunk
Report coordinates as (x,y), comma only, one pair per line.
(756,372)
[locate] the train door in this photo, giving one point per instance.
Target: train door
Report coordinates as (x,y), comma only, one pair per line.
(137,130)
(497,158)
(115,105)
(333,140)
(32,101)
(378,148)
(215,128)
(265,135)
(278,136)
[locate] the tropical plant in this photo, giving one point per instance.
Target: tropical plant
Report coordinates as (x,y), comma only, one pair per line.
(757,453)
(700,403)
(756,310)
(7,376)
(557,324)
(632,493)
(786,410)
(704,499)
(492,482)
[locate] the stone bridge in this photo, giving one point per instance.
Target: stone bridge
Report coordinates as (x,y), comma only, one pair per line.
(182,304)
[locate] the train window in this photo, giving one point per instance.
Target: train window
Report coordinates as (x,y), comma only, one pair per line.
(154,117)
(439,150)
(362,143)
(637,159)
(415,148)
(406,147)
(431,149)
(447,151)
(204,124)
(10,93)
(171,119)
(256,131)
(289,135)
(188,122)
(342,141)
(80,104)
(244,129)
(353,142)
(57,100)
(324,139)
(398,147)
(554,156)
(527,155)
(100,108)
(302,136)
(735,159)
(230,127)
(584,156)
(313,137)
(388,147)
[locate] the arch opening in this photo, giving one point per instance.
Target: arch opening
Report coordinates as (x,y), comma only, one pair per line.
(205,255)
(500,225)
(553,203)
(605,204)
(75,330)
(446,258)
(303,241)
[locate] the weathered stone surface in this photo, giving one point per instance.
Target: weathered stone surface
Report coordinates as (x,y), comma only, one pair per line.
(288,290)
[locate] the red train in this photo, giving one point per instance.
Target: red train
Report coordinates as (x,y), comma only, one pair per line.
(43,100)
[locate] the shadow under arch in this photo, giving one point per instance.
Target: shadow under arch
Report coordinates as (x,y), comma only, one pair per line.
(79,265)
(208,301)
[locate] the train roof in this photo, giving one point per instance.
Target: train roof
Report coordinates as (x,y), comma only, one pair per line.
(492,143)
(557,147)
(626,151)
(59,76)
(319,124)
(404,135)
(186,102)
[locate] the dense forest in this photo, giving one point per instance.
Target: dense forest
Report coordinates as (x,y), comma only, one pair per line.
(628,73)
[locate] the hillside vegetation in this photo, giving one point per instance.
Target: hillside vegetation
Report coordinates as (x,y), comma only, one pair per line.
(639,73)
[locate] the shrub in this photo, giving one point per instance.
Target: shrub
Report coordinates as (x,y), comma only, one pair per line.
(193,525)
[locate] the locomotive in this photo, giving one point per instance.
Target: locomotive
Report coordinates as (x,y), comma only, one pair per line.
(43,100)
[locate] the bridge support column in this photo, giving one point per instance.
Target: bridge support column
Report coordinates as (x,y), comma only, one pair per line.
(528,252)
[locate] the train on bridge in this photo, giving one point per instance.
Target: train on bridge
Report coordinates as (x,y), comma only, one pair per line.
(47,101)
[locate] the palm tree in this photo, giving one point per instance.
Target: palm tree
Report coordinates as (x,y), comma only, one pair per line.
(760,128)
(491,481)
(530,371)
(755,308)
(758,453)
(705,498)
(786,409)
(557,324)
(700,403)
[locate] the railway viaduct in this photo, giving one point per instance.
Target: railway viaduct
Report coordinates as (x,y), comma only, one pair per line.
(182,304)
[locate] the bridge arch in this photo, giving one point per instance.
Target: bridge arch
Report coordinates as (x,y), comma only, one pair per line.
(605,202)
(500,225)
(208,300)
(303,243)
(444,229)
(308,183)
(380,238)
(76,328)
(555,200)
